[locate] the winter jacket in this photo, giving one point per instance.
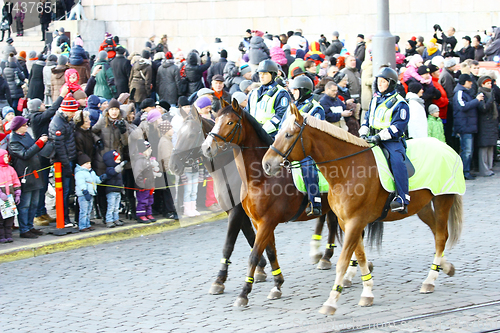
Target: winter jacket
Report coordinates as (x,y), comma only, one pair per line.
(333,108)
(22,66)
(105,81)
(216,68)
(10,180)
(411,70)
(167,82)
(40,120)
(141,78)
(430,94)
(426,56)
(447,81)
(115,179)
(7,50)
(216,104)
(143,172)
(487,135)
(15,79)
(111,138)
(435,128)
(258,50)
(35,85)
(5,92)
(121,70)
(494,48)
(244,45)
(77,55)
(84,141)
(85,179)
(354,79)
(334,48)
(441,102)
(194,72)
(83,71)
(24,151)
(278,56)
(464,111)
(232,77)
(466,53)
(359,52)
(93,109)
(57,80)
(62,132)
(47,78)
(479,53)
(366,83)
(417,124)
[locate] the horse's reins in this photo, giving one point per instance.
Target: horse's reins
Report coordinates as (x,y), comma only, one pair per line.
(288,165)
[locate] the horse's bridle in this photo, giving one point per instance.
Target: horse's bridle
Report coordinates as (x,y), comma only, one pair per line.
(286,163)
(236,130)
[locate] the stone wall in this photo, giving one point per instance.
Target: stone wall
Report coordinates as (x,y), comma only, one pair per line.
(195,24)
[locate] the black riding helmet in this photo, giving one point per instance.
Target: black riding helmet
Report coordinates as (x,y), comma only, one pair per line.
(304,85)
(391,76)
(268,66)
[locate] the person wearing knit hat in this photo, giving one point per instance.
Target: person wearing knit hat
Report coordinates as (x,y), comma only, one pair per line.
(244,85)
(423,70)
(165,126)
(164,105)
(205,91)
(464,78)
(146,54)
(204,105)
(241,98)
(416,88)
(17,122)
(246,71)
(69,105)
(8,113)
(169,55)
(182,101)
(113,104)
(82,159)
(22,54)
(435,127)
(34,105)
(153,116)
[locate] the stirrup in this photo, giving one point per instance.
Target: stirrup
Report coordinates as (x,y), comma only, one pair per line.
(312,211)
(398,206)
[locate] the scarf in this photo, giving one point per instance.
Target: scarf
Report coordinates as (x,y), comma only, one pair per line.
(431,50)
(218,94)
(73,86)
(487,96)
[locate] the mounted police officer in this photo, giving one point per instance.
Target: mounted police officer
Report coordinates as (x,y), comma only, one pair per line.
(385,123)
(268,103)
(302,88)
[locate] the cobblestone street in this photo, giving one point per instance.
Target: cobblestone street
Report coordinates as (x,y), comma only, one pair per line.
(160,283)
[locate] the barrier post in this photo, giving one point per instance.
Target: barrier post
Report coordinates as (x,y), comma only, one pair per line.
(59,196)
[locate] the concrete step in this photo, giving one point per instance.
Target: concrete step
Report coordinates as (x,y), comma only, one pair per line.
(31,40)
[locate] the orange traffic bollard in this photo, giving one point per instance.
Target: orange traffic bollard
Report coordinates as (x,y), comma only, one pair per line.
(59,196)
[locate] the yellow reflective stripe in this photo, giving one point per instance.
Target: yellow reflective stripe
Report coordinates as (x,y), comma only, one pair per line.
(249,279)
(316,237)
(225,261)
(331,246)
(277,272)
(337,288)
(436,268)
(366,277)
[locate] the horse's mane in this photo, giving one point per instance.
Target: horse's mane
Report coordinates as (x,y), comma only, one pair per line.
(329,129)
(261,133)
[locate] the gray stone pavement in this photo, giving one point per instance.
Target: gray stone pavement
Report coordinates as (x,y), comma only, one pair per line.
(159,283)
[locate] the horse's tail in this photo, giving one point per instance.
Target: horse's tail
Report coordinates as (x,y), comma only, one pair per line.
(455,221)
(375,234)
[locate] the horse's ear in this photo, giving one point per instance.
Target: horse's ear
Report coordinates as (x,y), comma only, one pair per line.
(295,112)
(183,113)
(223,103)
(194,112)
(236,106)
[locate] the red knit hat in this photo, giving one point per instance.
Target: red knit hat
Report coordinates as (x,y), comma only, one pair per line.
(69,103)
(115,155)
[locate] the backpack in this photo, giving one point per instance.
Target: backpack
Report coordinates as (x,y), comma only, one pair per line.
(184,83)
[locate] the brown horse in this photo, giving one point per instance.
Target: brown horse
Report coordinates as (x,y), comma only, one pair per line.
(357,197)
(268,201)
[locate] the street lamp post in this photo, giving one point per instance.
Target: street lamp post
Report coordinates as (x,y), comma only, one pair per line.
(383,43)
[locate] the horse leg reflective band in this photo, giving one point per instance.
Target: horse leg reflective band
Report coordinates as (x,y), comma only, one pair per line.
(249,279)
(277,272)
(436,268)
(337,288)
(225,261)
(366,277)
(316,237)
(353,263)
(331,246)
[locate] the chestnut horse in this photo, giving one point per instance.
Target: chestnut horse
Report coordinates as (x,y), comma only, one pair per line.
(190,136)
(268,201)
(358,198)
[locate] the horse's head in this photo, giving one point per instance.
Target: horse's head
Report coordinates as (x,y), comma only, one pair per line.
(189,139)
(227,130)
(285,148)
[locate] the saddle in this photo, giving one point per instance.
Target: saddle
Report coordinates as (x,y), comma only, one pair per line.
(409,166)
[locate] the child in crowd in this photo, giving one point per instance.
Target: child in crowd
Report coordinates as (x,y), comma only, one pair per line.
(86,182)
(435,124)
(7,115)
(311,67)
(9,184)
(144,174)
(114,168)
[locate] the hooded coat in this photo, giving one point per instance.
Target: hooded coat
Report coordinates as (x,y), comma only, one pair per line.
(57,80)
(121,70)
(115,179)
(194,72)
(15,79)
(417,124)
(167,82)
(24,152)
(258,50)
(10,179)
(141,78)
(85,179)
(105,81)
(35,85)
(487,135)
(494,48)
(464,111)
(93,109)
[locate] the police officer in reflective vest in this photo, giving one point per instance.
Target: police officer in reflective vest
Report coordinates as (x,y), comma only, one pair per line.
(385,123)
(268,103)
(302,88)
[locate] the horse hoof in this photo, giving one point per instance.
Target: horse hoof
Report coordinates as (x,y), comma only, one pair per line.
(216,289)
(240,302)
(366,301)
(346,283)
(324,264)
(427,289)
(451,271)
(260,275)
(370,266)
(316,257)
(274,294)
(327,310)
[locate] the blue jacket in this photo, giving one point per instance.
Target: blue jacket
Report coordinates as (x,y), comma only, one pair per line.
(85,180)
(464,111)
(400,115)
(327,102)
(76,55)
(114,178)
(93,109)
(281,103)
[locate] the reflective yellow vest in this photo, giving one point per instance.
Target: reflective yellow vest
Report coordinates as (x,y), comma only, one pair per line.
(263,110)
(381,116)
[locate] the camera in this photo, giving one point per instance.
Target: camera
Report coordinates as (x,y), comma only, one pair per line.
(437,27)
